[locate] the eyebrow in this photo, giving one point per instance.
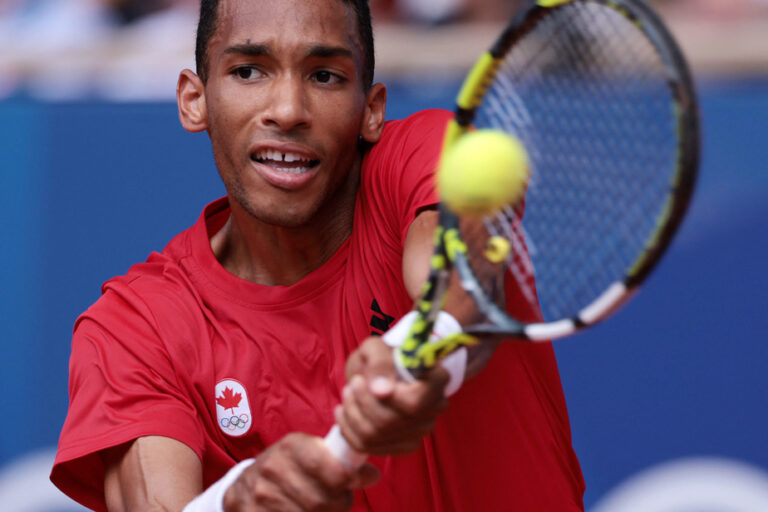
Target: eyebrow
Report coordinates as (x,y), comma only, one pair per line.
(316,51)
(253,50)
(329,52)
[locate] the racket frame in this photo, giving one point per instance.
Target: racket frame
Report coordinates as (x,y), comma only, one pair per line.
(450,252)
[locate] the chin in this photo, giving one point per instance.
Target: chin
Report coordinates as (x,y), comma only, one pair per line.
(287,217)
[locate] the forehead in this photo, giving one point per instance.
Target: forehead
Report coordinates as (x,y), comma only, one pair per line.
(287,22)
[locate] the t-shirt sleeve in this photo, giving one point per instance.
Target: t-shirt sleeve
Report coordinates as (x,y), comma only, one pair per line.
(122,386)
(399,170)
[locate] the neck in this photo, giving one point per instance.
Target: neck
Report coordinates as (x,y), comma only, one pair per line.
(274,255)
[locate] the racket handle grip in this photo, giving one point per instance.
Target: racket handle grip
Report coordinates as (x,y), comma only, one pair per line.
(339,447)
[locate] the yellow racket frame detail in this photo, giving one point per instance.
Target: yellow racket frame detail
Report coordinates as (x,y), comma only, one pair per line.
(478,81)
(418,356)
(552,3)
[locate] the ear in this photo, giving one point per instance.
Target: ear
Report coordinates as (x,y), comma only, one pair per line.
(375,113)
(190,96)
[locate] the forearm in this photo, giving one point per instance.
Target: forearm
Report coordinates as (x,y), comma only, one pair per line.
(418,250)
(155,474)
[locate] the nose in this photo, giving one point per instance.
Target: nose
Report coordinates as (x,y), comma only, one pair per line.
(287,106)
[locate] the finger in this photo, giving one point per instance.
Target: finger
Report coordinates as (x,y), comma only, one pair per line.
(421,398)
(381,386)
(367,421)
(254,491)
(355,425)
(392,441)
(301,474)
(405,402)
(311,494)
(401,440)
(317,461)
(374,414)
(377,428)
(379,368)
(355,364)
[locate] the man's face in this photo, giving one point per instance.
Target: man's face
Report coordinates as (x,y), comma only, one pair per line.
(285,104)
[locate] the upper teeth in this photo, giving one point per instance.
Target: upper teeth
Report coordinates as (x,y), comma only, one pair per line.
(281,157)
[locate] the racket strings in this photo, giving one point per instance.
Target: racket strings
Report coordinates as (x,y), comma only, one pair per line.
(604,60)
(588,95)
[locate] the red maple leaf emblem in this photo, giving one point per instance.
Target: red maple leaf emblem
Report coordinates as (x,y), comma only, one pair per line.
(229,399)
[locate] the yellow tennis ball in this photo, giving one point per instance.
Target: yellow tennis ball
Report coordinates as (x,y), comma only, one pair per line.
(483,171)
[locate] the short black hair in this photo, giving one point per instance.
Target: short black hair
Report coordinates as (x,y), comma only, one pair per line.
(206,27)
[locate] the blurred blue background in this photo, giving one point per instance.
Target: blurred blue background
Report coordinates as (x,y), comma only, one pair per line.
(90,188)
(668,399)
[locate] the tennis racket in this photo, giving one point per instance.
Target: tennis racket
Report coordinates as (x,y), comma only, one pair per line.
(603,101)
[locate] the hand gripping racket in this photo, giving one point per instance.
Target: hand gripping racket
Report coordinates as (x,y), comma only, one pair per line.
(602,99)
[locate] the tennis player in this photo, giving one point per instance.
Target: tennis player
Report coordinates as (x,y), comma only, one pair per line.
(205,378)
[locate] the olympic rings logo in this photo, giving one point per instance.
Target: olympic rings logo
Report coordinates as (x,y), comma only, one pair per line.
(235,422)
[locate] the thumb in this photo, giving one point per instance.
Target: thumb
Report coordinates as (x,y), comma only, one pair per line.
(379,372)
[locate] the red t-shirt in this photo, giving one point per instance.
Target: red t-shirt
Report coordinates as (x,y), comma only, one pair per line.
(179,347)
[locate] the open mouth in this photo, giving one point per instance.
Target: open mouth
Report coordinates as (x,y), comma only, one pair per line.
(284,162)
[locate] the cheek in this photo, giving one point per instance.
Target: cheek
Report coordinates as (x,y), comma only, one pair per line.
(346,119)
(226,107)
(346,143)
(224,151)
(220,123)
(225,131)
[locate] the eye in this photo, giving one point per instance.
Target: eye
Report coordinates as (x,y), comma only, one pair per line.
(327,77)
(246,73)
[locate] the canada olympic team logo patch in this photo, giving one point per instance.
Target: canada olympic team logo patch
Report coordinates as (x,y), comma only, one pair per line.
(232,410)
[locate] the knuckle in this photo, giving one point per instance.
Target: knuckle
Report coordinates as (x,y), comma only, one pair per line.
(314,503)
(271,468)
(290,440)
(362,424)
(262,493)
(365,432)
(413,407)
(312,462)
(352,438)
(232,497)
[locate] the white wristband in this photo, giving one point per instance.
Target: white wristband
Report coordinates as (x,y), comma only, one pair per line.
(212,500)
(455,363)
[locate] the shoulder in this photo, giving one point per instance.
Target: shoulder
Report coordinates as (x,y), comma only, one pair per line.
(162,288)
(397,179)
(427,117)
(414,141)
(156,296)
(149,307)
(157,283)
(420,126)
